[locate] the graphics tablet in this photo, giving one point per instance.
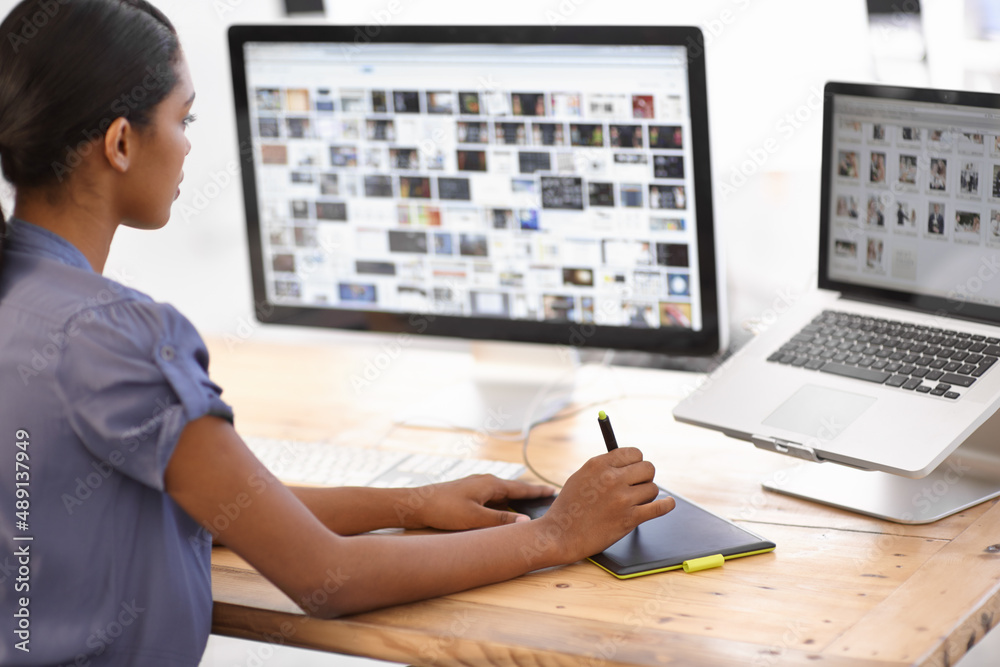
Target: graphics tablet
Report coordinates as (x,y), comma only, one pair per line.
(687,535)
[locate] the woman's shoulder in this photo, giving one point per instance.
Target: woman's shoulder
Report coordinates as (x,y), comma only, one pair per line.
(59,292)
(73,304)
(128,317)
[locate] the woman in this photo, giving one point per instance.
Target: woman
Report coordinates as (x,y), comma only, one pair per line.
(122,445)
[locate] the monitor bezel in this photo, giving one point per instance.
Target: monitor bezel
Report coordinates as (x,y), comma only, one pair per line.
(935,305)
(668,340)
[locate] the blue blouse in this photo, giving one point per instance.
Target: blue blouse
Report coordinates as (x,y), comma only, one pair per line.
(99,566)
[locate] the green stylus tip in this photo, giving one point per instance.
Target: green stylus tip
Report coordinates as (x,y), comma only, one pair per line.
(601,415)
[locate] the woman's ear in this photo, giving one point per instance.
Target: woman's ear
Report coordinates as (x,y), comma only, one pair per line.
(119,144)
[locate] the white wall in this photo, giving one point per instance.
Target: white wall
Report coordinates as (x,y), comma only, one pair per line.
(766,60)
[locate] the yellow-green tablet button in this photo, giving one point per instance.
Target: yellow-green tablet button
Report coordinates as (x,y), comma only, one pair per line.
(706,563)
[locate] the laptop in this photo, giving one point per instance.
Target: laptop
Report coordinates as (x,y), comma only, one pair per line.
(891,364)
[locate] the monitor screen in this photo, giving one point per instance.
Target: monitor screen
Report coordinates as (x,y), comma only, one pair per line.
(511,183)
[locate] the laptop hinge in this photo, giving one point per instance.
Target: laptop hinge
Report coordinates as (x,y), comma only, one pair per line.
(786,447)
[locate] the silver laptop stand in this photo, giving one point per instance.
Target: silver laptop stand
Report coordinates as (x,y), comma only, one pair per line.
(969,476)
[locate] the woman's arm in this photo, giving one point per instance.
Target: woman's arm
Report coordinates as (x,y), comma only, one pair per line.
(473,502)
(212,474)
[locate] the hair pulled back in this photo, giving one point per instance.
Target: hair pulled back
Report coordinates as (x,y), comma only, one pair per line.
(68,69)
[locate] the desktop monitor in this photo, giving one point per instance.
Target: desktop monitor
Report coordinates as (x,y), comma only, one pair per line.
(502,183)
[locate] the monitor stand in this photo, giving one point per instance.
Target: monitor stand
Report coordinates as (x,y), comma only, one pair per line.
(969,476)
(513,386)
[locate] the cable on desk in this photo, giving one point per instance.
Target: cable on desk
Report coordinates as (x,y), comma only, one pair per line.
(539,399)
(550,420)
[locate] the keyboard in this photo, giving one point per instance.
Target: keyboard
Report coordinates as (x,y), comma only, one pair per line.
(324,464)
(925,360)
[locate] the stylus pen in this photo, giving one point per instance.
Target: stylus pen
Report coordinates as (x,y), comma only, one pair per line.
(609,435)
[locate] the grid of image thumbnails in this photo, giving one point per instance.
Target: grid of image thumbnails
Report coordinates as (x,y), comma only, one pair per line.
(898,186)
(544,206)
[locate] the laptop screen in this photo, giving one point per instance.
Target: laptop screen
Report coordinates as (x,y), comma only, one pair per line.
(911,208)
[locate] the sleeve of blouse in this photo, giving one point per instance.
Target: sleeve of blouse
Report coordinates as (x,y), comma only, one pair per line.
(131,376)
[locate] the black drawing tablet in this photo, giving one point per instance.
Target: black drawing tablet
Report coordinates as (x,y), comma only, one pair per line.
(687,535)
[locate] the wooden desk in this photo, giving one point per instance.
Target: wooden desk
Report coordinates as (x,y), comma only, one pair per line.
(840,589)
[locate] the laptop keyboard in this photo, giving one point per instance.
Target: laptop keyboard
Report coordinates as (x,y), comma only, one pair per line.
(926,360)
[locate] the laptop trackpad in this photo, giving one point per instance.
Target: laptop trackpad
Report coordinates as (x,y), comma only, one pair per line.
(819,412)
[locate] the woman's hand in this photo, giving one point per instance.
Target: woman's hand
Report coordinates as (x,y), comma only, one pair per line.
(602,502)
(478,501)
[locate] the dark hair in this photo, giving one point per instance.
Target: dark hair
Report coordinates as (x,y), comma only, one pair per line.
(68,69)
